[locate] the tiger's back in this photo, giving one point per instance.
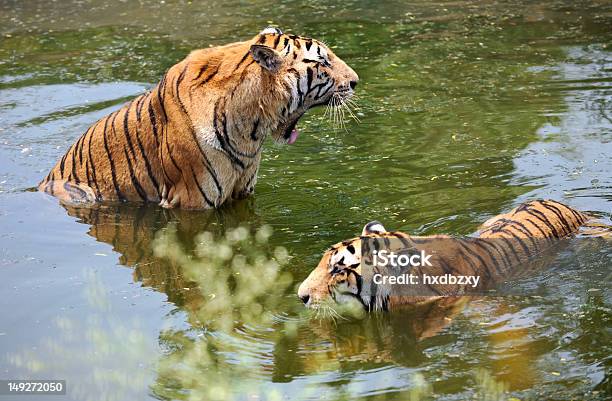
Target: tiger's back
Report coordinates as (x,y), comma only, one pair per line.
(93,167)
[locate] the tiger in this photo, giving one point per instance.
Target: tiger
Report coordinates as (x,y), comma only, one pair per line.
(195,140)
(500,245)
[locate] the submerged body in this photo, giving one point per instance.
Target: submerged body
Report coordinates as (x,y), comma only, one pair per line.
(195,140)
(496,250)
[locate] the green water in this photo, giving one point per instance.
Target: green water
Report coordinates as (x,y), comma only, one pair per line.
(466,109)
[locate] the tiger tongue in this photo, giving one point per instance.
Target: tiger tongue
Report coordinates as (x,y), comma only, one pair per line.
(293,137)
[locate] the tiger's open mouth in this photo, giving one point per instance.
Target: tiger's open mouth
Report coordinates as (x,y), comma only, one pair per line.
(291,133)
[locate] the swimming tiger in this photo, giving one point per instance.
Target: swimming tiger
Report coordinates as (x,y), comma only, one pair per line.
(195,140)
(499,246)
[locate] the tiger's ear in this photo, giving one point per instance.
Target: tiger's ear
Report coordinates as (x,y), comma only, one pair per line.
(266,57)
(373,227)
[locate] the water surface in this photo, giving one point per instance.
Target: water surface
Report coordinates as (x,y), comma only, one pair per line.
(466,110)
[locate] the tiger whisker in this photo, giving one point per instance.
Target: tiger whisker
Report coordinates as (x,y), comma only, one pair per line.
(348,106)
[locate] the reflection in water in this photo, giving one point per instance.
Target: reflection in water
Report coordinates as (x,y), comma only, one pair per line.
(131,231)
(167,252)
(115,351)
(243,327)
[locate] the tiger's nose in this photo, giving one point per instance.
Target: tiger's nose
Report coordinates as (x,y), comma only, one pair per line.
(353,84)
(305,298)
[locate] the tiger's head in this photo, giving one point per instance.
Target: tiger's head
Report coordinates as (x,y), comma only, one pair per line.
(338,275)
(309,72)
(265,85)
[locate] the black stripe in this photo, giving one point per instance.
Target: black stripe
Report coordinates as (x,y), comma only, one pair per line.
(254,130)
(468,260)
(139,189)
(523,229)
(195,179)
(50,187)
(93,166)
(208,78)
(153,122)
(161,88)
(320,95)
(308,44)
(276,40)
(161,94)
(559,214)
(520,241)
(146,159)
(87,174)
(178,81)
(202,69)
(48,177)
(478,243)
(403,239)
(504,255)
(110,158)
(221,138)
(63,162)
(242,60)
(233,147)
(548,236)
(434,291)
(250,180)
(510,247)
(80,145)
(205,161)
(73,173)
(309,76)
(471,252)
(126,131)
(142,151)
(444,265)
(139,105)
(579,216)
(72,189)
(298,79)
(420,240)
(172,157)
(542,217)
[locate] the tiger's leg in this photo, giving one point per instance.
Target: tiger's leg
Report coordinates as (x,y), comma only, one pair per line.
(68,191)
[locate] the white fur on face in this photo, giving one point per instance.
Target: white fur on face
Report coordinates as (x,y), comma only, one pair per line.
(344,258)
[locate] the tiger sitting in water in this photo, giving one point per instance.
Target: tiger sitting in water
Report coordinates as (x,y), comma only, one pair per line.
(498,247)
(195,140)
